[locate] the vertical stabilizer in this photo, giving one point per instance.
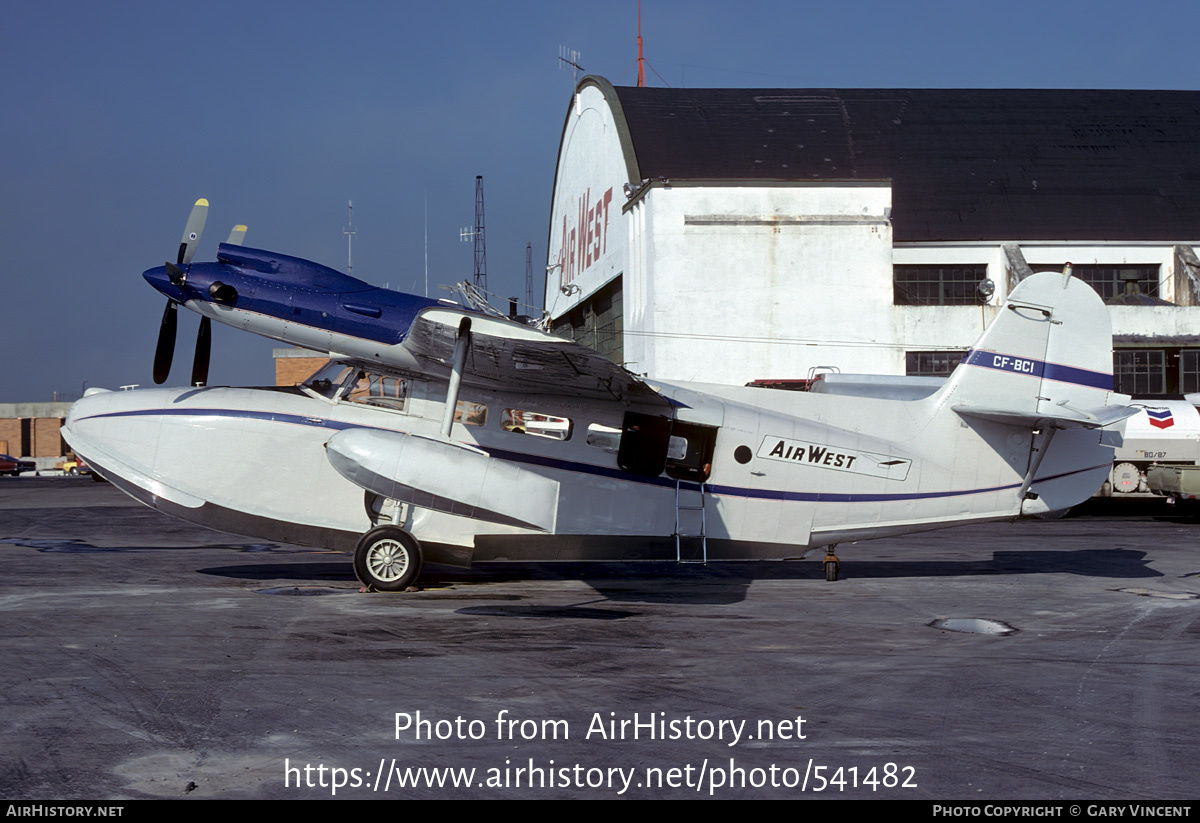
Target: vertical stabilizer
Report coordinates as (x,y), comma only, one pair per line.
(1047,355)
(1043,369)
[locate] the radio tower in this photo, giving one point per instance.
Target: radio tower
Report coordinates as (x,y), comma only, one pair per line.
(480,244)
(641,60)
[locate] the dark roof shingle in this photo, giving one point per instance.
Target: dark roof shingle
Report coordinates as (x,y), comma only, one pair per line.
(965,164)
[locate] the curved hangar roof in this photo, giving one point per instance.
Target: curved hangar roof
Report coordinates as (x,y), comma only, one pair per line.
(965,164)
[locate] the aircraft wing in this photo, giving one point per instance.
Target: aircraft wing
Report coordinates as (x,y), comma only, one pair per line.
(510,356)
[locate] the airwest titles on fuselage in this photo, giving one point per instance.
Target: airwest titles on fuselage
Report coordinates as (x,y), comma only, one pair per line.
(819,455)
(825,457)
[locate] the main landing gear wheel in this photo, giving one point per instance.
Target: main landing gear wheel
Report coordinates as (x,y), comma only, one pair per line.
(387,559)
(832,565)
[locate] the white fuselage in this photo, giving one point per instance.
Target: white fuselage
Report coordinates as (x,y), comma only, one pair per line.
(786,471)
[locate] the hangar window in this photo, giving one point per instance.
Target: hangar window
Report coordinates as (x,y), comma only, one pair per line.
(1113,282)
(597,322)
(1140,372)
(1189,371)
(938,285)
(931,363)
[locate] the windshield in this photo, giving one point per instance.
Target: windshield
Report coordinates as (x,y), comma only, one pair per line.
(330,379)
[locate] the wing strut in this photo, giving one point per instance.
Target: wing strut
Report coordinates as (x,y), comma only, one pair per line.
(461,345)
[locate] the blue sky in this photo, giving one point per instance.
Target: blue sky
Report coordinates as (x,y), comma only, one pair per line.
(117,116)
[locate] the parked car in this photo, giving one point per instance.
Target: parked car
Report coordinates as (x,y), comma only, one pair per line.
(75,466)
(14,466)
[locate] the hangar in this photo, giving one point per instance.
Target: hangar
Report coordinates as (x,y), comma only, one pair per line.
(727,235)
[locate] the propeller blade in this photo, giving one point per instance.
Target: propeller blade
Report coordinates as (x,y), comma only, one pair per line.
(237,235)
(164,352)
(192,232)
(203,350)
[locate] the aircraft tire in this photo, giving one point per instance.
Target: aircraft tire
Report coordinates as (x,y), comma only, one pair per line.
(387,559)
(831,571)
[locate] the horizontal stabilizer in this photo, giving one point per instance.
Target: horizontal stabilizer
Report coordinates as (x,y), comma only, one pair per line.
(444,476)
(1095,418)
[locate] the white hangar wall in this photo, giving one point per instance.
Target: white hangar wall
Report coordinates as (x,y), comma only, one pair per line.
(728,281)
(717,282)
(737,283)
(588,242)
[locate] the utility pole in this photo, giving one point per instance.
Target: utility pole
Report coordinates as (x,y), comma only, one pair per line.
(529,276)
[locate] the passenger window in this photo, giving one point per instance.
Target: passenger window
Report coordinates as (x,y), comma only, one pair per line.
(690,454)
(677,448)
(604,437)
(521,421)
(470,414)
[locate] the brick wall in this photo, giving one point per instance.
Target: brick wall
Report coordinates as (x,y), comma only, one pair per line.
(292,370)
(45,438)
(10,437)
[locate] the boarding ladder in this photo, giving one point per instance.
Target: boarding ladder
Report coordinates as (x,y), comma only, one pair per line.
(702,535)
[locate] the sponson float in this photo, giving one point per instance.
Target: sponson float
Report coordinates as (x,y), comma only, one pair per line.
(439,433)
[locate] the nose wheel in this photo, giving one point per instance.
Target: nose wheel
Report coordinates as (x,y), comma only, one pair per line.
(387,559)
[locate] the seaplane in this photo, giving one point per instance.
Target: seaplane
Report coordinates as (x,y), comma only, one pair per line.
(442,433)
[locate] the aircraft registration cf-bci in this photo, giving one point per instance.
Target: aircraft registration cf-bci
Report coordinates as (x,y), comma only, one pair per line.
(440,433)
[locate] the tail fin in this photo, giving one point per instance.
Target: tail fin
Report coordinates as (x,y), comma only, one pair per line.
(1046,357)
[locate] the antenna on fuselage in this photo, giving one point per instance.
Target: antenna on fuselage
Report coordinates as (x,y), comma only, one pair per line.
(349,232)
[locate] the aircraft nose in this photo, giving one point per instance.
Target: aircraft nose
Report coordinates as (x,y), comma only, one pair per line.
(159,279)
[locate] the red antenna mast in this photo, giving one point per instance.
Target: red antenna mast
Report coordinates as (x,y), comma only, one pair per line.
(641,60)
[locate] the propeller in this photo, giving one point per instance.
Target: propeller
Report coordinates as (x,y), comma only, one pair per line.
(203,350)
(204,335)
(164,351)
(192,232)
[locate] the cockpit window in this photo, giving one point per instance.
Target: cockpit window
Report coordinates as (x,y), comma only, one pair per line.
(329,379)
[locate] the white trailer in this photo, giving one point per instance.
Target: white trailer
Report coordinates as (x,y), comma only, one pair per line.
(1165,433)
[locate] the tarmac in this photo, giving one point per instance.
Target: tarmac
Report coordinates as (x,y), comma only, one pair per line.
(144,657)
